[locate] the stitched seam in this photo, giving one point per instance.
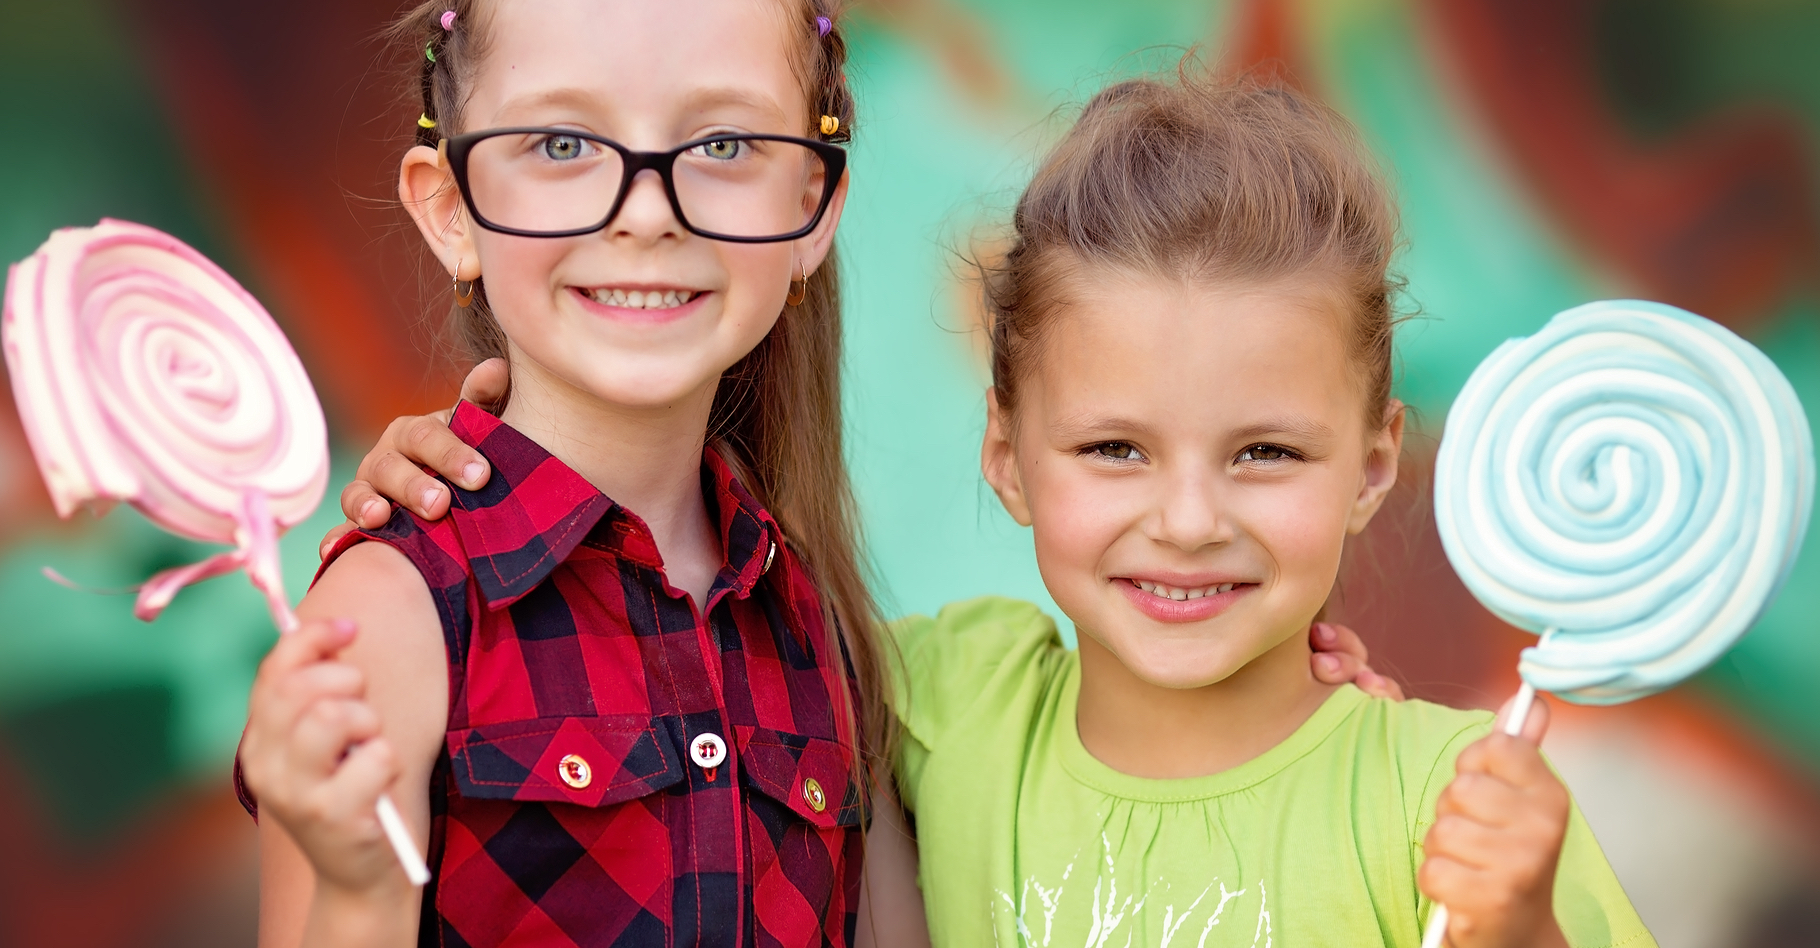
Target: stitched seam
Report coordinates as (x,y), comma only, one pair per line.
(549,549)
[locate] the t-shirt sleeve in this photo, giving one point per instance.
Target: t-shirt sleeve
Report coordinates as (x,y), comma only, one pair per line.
(944,665)
(1590,904)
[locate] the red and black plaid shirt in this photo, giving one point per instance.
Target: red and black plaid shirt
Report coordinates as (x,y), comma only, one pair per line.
(570,806)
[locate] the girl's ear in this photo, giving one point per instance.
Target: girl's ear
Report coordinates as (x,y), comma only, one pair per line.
(998,461)
(813,249)
(1380,469)
(427,189)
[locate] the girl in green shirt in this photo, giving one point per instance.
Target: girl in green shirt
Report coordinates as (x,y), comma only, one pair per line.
(1191,361)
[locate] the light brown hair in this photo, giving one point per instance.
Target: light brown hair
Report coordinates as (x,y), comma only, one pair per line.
(1188,178)
(777,414)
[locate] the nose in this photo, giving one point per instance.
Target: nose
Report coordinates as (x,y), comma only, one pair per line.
(1189,511)
(646,214)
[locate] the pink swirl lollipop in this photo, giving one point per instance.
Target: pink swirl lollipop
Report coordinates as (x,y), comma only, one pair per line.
(145,374)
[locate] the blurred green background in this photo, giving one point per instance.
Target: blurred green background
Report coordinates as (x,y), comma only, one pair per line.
(1546,154)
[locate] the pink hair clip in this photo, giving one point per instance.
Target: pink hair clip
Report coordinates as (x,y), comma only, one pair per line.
(448,20)
(823,25)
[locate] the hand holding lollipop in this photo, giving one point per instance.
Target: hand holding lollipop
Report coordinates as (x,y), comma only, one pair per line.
(1633,484)
(145,374)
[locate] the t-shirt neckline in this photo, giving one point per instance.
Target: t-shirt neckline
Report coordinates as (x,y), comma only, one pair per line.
(1089,770)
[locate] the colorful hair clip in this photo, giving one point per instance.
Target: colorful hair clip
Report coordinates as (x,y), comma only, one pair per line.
(830,125)
(424,121)
(448,20)
(429,53)
(823,25)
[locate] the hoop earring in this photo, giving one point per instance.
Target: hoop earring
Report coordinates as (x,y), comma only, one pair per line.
(463,300)
(799,289)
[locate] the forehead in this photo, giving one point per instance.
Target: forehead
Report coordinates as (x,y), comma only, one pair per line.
(1208,355)
(630,60)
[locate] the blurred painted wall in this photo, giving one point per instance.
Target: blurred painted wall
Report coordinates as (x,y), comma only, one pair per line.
(1546,153)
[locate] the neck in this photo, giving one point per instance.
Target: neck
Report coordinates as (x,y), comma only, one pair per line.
(647,459)
(1148,730)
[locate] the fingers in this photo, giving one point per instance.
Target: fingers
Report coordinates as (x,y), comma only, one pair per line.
(393,476)
(1378,686)
(427,440)
(1340,639)
(1340,657)
(363,506)
(487,382)
(1535,723)
(327,730)
(332,537)
(1335,668)
(313,641)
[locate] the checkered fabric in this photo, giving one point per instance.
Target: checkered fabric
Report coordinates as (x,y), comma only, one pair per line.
(567,808)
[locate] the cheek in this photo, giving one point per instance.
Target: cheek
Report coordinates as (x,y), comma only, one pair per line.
(1076,517)
(516,270)
(1303,528)
(758,281)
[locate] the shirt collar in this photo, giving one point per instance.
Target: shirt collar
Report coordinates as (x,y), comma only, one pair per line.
(535,511)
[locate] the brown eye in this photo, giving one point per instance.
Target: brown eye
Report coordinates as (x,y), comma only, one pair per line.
(1118,451)
(1264,452)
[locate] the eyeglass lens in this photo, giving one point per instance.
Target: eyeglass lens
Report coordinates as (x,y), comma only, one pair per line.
(551,182)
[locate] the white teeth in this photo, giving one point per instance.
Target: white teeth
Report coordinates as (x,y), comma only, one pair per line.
(1181,595)
(641,299)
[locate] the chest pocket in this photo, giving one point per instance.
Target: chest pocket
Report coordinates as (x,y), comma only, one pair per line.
(811,777)
(589,761)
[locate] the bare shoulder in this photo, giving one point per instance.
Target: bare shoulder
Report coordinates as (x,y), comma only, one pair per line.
(399,644)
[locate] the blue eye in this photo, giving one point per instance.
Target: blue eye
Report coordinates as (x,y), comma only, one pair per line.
(563,147)
(723,150)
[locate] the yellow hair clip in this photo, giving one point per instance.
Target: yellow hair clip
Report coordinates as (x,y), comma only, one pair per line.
(424,121)
(830,125)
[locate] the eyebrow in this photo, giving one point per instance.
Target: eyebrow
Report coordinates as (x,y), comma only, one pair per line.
(698,101)
(1302,428)
(1085,427)
(731,95)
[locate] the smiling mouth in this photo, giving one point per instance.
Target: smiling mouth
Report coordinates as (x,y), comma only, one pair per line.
(1180,594)
(640,299)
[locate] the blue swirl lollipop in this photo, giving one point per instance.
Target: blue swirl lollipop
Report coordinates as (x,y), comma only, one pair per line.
(1632,483)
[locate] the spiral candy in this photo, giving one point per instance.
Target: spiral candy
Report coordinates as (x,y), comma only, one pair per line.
(144,373)
(1633,482)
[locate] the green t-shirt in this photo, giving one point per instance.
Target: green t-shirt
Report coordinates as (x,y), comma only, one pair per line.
(1026,839)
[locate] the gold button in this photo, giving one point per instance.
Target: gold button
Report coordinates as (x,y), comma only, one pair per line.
(575,771)
(813,795)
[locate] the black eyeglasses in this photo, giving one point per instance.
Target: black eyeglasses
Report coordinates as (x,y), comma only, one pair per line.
(560,182)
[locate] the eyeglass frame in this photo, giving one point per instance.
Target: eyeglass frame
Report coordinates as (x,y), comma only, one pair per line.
(456,149)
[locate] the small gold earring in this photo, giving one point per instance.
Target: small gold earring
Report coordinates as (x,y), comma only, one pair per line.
(799,289)
(464,300)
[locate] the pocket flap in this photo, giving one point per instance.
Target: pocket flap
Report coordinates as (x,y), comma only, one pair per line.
(810,775)
(587,761)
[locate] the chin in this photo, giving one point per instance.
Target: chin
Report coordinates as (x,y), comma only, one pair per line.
(1176,665)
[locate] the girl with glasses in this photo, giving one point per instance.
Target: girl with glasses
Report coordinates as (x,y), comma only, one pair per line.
(628,692)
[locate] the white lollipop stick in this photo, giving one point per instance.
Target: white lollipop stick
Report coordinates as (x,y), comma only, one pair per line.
(143,373)
(1635,481)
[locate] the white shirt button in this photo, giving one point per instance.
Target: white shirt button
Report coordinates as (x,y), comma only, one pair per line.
(707,750)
